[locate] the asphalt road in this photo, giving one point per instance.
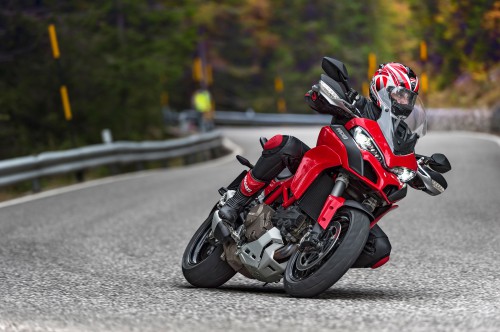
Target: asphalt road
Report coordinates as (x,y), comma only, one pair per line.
(106,256)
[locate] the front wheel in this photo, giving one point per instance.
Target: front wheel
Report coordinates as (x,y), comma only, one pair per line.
(309,273)
(202,265)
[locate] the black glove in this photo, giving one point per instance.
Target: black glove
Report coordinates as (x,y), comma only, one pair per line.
(316,101)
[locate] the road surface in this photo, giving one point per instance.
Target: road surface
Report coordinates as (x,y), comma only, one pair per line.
(105,256)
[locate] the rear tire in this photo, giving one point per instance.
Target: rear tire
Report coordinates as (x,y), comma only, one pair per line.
(323,273)
(201,262)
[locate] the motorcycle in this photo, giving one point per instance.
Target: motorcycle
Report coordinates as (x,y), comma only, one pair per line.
(309,228)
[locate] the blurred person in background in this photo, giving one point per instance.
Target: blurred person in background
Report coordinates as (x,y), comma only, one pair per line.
(202,103)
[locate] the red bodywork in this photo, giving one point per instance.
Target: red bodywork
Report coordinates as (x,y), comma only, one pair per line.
(331,152)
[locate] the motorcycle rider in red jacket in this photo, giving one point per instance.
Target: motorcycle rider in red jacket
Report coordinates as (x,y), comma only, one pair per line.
(287,151)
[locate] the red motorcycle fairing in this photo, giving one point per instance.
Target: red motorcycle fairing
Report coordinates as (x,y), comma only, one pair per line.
(337,148)
(315,161)
(384,178)
(391,160)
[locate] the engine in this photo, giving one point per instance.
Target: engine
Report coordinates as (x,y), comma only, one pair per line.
(291,223)
(268,242)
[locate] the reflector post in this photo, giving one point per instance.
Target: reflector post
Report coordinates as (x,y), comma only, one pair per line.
(65,101)
(423,51)
(53,41)
(424,82)
(372,64)
(278,84)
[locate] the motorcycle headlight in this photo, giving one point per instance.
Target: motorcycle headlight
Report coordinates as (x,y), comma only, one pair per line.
(365,142)
(404,174)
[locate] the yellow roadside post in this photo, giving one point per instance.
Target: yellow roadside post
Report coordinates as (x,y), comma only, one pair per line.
(65,101)
(197,70)
(63,89)
(279,87)
(366,89)
(53,41)
(372,66)
(424,81)
(202,99)
(423,51)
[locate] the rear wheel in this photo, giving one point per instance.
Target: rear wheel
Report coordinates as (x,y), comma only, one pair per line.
(309,273)
(201,262)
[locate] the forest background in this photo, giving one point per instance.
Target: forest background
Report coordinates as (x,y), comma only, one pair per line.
(123,61)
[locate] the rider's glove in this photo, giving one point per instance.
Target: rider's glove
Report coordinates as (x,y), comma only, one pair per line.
(317,102)
(353,95)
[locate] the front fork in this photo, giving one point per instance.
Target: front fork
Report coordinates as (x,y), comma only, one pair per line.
(333,202)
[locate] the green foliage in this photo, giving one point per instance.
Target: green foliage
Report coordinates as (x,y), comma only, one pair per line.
(463,36)
(118,57)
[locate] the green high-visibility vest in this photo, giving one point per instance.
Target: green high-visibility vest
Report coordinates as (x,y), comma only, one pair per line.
(202,102)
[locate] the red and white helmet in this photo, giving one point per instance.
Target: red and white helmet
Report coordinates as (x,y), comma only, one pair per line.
(392,74)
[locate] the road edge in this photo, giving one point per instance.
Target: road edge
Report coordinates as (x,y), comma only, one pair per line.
(227,143)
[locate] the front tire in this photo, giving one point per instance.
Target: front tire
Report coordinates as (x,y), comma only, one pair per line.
(308,274)
(201,262)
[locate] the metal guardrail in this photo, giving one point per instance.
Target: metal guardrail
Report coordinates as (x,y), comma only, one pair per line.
(116,153)
(483,120)
(251,118)
(52,163)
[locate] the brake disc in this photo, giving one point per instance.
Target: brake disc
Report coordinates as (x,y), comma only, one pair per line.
(307,260)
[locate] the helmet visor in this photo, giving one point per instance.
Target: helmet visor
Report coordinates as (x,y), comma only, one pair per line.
(403,101)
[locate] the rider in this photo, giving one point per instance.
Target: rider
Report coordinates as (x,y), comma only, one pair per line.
(287,151)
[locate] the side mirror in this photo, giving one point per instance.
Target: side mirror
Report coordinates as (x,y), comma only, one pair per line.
(335,69)
(439,163)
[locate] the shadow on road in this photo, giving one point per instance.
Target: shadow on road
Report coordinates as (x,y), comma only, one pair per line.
(269,289)
(362,294)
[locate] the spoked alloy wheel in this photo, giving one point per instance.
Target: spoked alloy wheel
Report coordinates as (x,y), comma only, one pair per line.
(201,262)
(310,273)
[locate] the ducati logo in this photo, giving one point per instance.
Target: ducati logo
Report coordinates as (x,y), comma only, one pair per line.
(245,184)
(341,133)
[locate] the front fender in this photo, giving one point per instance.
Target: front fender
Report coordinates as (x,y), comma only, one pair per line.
(360,207)
(333,204)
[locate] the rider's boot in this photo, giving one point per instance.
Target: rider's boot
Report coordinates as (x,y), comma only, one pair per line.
(248,189)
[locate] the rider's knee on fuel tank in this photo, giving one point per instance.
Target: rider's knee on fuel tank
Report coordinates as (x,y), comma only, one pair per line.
(376,249)
(279,152)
